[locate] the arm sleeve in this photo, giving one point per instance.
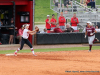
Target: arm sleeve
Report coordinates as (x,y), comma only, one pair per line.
(77,21)
(51,20)
(72,21)
(93,29)
(55,20)
(46,21)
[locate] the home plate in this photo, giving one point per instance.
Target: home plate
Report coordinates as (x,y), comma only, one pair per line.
(11,55)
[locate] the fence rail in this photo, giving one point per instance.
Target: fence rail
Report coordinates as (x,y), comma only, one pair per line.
(83,13)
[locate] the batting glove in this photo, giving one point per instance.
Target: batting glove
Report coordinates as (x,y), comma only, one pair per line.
(92,34)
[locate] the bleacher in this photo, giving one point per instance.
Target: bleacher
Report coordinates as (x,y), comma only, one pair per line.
(83,13)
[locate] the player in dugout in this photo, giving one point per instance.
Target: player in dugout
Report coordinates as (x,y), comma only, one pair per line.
(57,29)
(62,21)
(53,22)
(48,24)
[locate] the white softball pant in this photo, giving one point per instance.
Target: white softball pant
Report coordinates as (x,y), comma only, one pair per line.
(91,39)
(74,27)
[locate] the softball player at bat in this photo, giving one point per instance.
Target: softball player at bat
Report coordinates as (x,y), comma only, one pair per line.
(24,39)
(90,31)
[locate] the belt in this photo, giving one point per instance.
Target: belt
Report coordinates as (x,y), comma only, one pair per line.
(24,38)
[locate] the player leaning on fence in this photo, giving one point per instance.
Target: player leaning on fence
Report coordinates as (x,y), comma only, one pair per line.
(24,39)
(48,24)
(90,32)
(62,21)
(74,21)
(53,22)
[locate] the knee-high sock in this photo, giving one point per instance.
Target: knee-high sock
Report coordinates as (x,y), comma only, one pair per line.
(32,50)
(17,50)
(90,46)
(94,40)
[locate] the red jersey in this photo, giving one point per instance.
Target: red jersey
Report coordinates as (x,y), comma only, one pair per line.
(90,30)
(57,30)
(53,20)
(47,24)
(62,21)
(73,21)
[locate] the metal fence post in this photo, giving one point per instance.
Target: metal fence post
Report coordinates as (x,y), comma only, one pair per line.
(72,7)
(33,20)
(60,6)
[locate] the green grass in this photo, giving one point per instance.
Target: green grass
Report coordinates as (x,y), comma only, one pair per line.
(97,2)
(52,49)
(42,9)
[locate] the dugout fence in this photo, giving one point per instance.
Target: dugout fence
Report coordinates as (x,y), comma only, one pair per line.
(62,38)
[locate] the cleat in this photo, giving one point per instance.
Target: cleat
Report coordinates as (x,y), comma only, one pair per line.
(34,55)
(97,39)
(15,54)
(89,50)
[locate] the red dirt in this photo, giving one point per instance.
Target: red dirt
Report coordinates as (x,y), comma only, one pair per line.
(51,63)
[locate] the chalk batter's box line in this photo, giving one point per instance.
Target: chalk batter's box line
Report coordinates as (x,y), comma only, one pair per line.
(82,71)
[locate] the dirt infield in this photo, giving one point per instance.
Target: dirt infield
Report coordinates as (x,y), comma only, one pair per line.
(51,63)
